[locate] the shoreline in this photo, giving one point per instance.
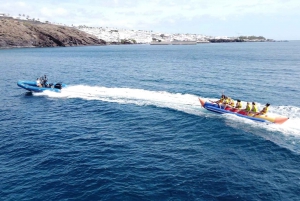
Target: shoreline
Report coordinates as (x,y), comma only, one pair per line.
(20,33)
(27,47)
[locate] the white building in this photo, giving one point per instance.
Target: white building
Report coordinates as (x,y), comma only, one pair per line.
(140,36)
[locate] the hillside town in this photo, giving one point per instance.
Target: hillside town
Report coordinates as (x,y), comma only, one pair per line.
(125,36)
(115,35)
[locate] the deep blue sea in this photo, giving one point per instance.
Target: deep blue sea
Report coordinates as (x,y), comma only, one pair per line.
(129,125)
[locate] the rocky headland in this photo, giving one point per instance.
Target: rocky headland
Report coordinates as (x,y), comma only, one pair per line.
(24,33)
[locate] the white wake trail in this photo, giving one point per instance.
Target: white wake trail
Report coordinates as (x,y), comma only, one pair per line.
(187,103)
(183,102)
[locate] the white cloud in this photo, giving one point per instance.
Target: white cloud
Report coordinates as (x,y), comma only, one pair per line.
(21,4)
(189,9)
(156,13)
(57,12)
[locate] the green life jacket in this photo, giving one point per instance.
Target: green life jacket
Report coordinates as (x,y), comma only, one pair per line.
(254,108)
(238,105)
(248,108)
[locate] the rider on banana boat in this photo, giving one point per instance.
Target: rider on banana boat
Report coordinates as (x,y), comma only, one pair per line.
(231,102)
(220,100)
(238,104)
(225,102)
(264,110)
(254,109)
(248,108)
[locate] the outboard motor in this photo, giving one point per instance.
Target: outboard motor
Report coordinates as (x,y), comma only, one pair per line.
(58,86)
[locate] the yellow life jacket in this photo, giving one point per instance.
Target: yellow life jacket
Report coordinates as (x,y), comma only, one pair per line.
(265,110)
(231,102)
(248,108)
(254,108)
(238,105)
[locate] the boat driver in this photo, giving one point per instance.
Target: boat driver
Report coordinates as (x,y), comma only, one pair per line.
(45,81)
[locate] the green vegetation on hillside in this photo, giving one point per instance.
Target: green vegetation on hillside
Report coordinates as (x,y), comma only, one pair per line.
(128,41)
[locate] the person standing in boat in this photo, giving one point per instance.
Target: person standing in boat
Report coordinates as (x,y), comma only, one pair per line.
(42,81)
(45,80)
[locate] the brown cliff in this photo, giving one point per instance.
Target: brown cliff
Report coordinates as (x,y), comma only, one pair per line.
(21,33)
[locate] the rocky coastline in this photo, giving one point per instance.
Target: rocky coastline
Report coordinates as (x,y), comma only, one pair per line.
(19,33)
(16,33)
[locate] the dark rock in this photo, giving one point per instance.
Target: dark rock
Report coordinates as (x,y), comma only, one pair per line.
(20,33)
(225,40)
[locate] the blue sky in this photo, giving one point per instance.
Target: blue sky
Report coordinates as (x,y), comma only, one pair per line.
(274,19)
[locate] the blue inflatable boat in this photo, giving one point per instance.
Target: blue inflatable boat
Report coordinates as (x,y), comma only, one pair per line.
(32,86)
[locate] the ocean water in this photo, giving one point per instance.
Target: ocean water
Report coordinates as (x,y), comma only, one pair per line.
(129,125)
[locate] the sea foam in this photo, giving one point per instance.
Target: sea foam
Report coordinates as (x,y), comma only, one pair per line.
(187,103)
